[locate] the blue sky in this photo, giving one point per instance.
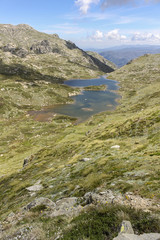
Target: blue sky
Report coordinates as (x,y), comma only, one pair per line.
(89,23)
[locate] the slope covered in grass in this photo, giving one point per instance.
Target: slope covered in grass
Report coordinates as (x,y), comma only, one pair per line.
(71,160)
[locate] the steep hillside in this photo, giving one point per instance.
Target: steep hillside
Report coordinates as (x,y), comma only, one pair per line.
(64,181)
(31,54)
(102,59)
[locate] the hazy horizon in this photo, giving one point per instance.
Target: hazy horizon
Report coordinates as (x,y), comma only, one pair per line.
(89,23)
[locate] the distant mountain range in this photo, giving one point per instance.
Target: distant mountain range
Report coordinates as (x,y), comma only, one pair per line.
(122,55)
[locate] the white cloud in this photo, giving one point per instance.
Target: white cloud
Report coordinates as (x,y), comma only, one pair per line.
(84,5)
(115,35)
(98,36)
(111,36)
(102,39)
(148,37)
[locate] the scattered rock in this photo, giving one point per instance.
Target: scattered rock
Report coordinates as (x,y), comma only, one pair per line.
(36,187)
(116,147)
(84,159)
(28,160)
(25,233)
(87,133)
(10,217)
(140,173)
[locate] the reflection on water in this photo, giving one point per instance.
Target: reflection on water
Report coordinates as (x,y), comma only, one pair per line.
(89,102)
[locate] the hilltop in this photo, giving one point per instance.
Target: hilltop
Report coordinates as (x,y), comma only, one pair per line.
(64,181)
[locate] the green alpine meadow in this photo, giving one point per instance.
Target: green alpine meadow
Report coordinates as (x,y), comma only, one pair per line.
(75,181)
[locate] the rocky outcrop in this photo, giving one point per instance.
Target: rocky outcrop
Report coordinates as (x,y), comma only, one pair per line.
(20,52)
(71,207)
(102,59)
(129,199)
(74,205)
(103,67)
(70,45)
(55,35)
(42,47)
(65,206)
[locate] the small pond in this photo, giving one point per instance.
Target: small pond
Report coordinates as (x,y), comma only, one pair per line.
(88,103)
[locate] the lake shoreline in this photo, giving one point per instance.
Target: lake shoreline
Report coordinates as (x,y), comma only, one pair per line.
(99,94)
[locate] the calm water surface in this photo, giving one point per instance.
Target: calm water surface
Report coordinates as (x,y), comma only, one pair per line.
(87,103)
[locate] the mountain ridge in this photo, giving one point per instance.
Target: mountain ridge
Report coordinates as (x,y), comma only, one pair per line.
(24,46)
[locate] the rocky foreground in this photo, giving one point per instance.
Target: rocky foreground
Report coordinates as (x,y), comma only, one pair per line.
(72,207)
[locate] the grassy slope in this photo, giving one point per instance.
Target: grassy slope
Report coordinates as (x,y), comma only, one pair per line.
(58,146)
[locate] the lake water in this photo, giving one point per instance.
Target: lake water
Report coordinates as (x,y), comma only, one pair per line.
(87,103)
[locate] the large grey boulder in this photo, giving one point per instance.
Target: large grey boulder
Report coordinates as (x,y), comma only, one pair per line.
(146,236)
(35,188)
(127,233)
(66,206)
(126,227)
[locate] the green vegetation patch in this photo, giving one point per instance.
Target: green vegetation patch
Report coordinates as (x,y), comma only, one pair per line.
(101,87)
(104,223)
